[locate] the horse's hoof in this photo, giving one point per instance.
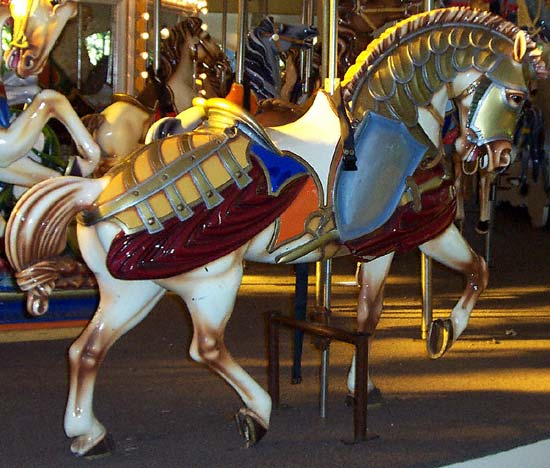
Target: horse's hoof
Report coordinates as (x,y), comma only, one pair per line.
(249,427)
(440,338)
(103,448)
(482,227)
(374,399)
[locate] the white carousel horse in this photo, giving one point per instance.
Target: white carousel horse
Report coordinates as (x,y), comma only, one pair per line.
(19,137)
(182,213)
(17,166)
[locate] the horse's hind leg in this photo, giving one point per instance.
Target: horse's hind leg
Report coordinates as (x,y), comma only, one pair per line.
(452,250)
(210,294)
(371,278)
(122,306)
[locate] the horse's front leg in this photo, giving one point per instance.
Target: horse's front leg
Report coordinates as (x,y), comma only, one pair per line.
(18,139)
(371,278)
(452,250)
(210,294)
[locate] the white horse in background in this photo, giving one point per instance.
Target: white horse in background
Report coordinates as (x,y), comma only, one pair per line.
(16,140)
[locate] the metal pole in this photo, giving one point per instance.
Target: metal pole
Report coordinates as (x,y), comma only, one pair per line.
(426,278)
(429,5)
(489,235)
(79,41)
(426,262)
(156,35)
(322,297)
(224,26)
(242,20)
(306,55)
(333,43)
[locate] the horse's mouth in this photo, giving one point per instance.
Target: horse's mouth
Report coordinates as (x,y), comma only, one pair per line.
(13,58)
(487,158)
(24,62)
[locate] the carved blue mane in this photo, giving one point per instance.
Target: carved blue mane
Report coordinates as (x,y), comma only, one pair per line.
(265,43)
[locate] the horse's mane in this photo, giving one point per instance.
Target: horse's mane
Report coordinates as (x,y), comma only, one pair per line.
(258,70)
(171,47)
(449,17)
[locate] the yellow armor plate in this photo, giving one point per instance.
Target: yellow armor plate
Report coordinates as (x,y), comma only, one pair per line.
(168,178)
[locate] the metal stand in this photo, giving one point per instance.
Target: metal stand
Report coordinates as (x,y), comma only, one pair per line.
(322,300)
(426,278)
(300,307)
(489,235)
(359,340)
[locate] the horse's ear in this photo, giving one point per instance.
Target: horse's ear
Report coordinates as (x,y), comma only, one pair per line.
(520,46)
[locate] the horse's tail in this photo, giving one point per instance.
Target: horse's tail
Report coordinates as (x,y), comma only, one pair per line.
(36,233)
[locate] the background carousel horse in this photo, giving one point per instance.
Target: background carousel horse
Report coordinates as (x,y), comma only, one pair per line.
(188,56)
(265,45)
(182,213)
(534,148)
(18,165)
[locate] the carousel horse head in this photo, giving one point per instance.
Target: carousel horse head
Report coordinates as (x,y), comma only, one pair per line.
(190,47)
(264,47)
(37,25)
(486,66)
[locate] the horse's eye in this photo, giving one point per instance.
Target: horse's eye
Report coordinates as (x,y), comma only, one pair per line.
(515,98)
(54,2)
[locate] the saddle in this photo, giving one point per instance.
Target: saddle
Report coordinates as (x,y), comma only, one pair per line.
(170,177)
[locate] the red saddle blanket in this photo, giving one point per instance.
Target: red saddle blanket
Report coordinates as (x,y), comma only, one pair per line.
(407,229)
(206,236)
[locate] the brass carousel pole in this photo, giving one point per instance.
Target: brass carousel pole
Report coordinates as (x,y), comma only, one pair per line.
(324,268)
(224,26)
(156,35)
(426,262)
(306,55)
(242,18)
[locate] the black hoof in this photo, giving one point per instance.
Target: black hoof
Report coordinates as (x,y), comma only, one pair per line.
(103,448)
(482,227)
(440,338)
(249,427)
(374,399)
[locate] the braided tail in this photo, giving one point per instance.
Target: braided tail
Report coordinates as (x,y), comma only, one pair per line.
(36,233)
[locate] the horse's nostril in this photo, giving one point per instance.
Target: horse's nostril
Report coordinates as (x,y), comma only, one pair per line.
(29,61)
(505,158)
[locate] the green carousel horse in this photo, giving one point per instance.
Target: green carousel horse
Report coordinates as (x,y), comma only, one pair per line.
(359,174)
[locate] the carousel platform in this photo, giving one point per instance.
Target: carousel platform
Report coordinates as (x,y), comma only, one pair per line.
(486,403)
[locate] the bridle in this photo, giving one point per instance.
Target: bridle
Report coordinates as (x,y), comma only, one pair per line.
(277,38)
(212,64)
(19,38)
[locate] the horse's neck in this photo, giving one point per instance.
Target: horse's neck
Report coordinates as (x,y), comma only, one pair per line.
(181,85)
(313,137)
(4,14)
(271,59)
